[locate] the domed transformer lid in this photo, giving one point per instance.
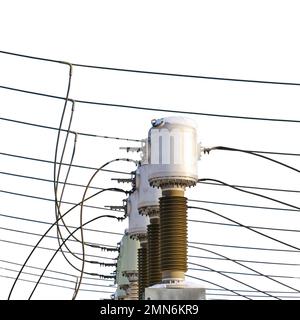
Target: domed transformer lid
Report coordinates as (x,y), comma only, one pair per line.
(172,152)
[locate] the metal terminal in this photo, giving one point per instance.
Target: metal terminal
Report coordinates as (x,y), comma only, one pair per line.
(122,180)
(116,208)
(131,149)
(173,235)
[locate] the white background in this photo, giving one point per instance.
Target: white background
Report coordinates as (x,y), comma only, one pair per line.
(236,39)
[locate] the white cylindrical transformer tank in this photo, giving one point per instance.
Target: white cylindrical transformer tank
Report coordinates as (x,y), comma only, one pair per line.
(129,257)
(137,223)
(148,197)
(173,152)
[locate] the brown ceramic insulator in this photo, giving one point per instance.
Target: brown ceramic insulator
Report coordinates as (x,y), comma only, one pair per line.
(154,270)
(143,270)
(173,234)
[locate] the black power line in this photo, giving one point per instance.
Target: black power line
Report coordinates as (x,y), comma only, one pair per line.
(249,268)
(170,110)
(207,269)
(253,153)
(53,256)
(52,249)
(56,285)
(134,140)
(92,135)
(56,278)
(249,228)
(168,74)
(235,225)
(91,244)
(243,205)
(244,260)
(64,164)
(101,277)
(37,244)
(52,200)
(252,193)
(49,223)
(251,187)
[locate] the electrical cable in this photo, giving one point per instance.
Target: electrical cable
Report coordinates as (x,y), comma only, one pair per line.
(169,74)
(248,228)
(102,277)
(208,150)
(124,106)
(64,164)
(200,182)
(92,245)
(92,135)
(214,284)
(37,244)
(53,256)
(65,202)
(47,180)
(56,184)
(243,247)
(234,225)
(136,140)
(249,268)
(249,187)
(52,249)
(81,216)
(246,261)
(55,278)
(56,285)
(235,272)
(251,192)
(49,223)
(244,205)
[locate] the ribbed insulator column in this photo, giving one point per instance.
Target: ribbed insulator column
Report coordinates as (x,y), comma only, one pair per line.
(173,236)
(143,270)
(154,269)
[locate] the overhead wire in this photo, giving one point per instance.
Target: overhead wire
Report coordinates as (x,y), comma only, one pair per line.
(49,223)
(57,202)
(81,216)
(57,250)
(84,134)
(39,241)
(103,247)
(252,193)
(169,74)
(250,187)
(207,269)
(243,247)
(56,278)
(222,148)
(235,225)
(244,205)
(248,228)
(56,285)
(200,182)
(193,76)
(144,108)
(52,249)
(249,268)
(64,202)
(64,164)
(102,277)
(245,260)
